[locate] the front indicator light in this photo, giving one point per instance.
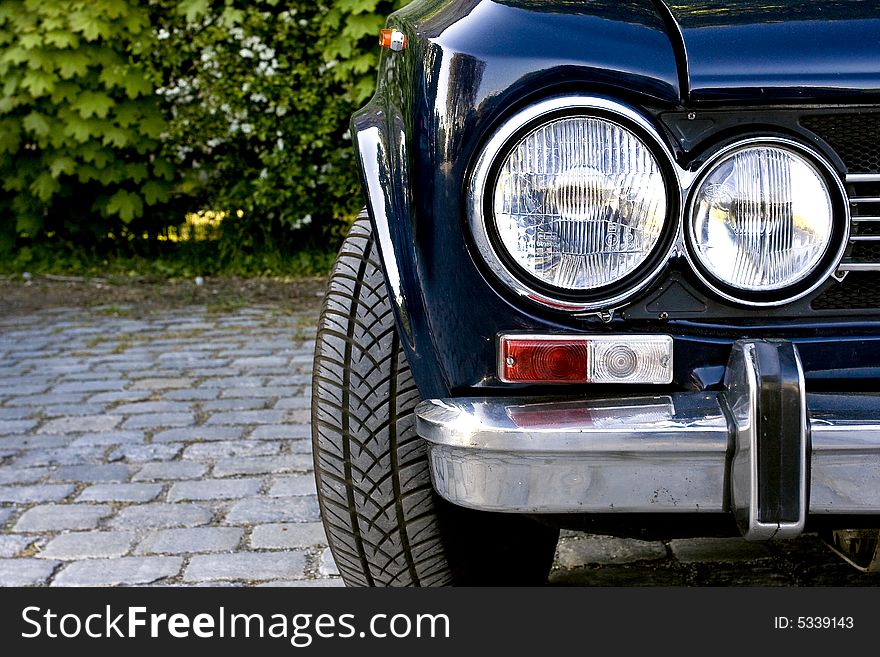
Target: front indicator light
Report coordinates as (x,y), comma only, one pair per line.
(645,359)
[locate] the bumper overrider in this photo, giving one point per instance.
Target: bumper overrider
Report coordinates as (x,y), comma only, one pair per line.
(762,449)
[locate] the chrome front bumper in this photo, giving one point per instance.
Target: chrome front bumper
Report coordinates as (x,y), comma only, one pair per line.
(762,449)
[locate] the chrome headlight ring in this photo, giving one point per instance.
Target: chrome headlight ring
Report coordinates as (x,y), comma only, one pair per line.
(482,190)
(812,276)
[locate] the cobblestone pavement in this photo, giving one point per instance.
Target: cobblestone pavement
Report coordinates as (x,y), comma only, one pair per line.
(173,448)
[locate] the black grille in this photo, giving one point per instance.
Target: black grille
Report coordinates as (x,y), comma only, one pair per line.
(858,290)
(855,137)
(866,252)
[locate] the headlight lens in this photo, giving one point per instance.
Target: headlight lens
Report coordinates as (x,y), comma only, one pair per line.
(579,203)
(761,219)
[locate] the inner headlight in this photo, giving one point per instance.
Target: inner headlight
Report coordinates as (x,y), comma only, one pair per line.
(579,203)
(761,219)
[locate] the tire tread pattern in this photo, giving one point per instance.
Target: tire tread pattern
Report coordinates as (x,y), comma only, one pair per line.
(378,507)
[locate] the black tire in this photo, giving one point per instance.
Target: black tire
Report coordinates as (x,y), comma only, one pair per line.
(385,524)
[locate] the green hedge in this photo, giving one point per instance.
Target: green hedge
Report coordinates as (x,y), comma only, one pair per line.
(119,116)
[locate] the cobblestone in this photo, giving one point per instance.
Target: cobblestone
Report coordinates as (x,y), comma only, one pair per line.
(78,424)
(113,572)
(246,417)
(303,484)
(26,572)
(289,564)
(159,420)
(198,539)
(120,493)
(170,470)
(280,536)
(12,545)
(57,517)
(214,489)
(199,434)
(41,493)
(262,464)
(256,510)
(88,545)
(92,473)
(162,515)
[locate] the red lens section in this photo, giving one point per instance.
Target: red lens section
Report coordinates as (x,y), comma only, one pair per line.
(545,360)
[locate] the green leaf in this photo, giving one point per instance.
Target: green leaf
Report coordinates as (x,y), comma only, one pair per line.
(45,187)
(111,8)
(155,192)
(36,124)
(31,40)
(62,39)
(93,152)
(15,55)
(153,126)
(115,136)
(192,9)
(137,84)
(126,205)
(64,91)
(93,103)
(356,6)
(38,83)
(86,22)
(163,169)
(62,164)
(136,171)
(232,16)
(78,128)
(127,113)
(360,25)
(10,136)
(73,64)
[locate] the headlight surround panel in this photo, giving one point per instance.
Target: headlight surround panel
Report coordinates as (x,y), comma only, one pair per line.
(482,203)
(780,288)
(675,238)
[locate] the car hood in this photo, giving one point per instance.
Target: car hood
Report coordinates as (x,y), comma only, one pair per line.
(747,51)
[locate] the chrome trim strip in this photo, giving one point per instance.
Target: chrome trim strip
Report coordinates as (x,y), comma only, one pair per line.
(802,151)
(479,181)
(864,238)
(861,218)
(862,177)
(863,199)
(859,266)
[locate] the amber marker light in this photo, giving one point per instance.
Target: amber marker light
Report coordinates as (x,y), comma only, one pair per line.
(585,359)
(543,359)
(392,39)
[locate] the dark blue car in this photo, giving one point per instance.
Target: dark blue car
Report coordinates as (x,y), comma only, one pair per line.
(619,272)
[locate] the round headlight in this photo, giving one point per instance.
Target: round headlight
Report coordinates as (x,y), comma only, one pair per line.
(578,203)
(761,219)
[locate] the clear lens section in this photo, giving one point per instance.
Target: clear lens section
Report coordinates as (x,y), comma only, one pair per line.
(761,219)
(580,203)
(631,359)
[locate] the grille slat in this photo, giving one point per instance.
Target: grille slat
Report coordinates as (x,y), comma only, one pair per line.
(865,217)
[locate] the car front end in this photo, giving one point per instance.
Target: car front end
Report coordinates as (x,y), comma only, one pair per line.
(633,252)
